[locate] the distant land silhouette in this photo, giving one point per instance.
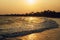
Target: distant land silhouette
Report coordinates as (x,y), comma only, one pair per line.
(46,13)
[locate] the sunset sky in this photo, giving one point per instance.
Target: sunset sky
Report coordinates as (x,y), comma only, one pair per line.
(26,6)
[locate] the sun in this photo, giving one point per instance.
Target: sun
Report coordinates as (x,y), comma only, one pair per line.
(31,1)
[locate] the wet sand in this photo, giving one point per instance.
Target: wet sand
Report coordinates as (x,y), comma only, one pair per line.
(53,34)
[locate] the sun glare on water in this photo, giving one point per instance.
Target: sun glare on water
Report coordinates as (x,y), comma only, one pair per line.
(34,20)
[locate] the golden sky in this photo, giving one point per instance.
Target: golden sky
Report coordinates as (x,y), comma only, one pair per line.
(25,6)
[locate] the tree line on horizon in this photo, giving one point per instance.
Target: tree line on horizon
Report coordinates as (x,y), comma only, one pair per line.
(46,13)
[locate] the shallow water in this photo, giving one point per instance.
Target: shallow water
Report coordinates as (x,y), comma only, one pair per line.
(19,24)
